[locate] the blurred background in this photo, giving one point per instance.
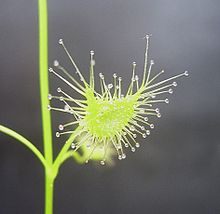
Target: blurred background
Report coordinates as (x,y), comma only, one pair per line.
(177,169)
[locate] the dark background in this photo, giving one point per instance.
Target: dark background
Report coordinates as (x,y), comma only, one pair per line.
(177,170)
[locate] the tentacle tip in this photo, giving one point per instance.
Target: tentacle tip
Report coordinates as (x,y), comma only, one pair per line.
(50,70)
(57,134)
(186,73)
(56,63)
(60,41)
(92,52)
(49,97)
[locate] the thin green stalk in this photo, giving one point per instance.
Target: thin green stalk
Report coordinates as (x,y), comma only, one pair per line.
(26,142)
(44,91)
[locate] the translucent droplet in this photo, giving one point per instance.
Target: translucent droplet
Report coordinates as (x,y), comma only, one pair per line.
(92,52)
(147,36)
(123,156)
(61,127)
(152,62)
(137,145)
(86,161)
(166,101)
(73,146)
(60,41)
(49,107)
(157,110)
(136,77)
(142,128)
(100,75)
(134,135)
(56,63)
(119,78)
(152,126)
(102,162)
(126,145)
(186,73)
(49,97)
(174,84)
(145,119)
(115,75)
(159,115)
(59,90)
(57,134)
(61,98)
(144,135)
(50,69)
(110,86)
(170,90)
(134,63)
(133,149)
(119,157)
(148,132)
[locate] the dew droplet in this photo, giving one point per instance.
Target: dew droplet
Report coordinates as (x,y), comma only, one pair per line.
(134,63)
(49,97)
(50,69)
(136,77)
(126,145)
(148,132)
(133,149)
(73,146)
(144,135)
(119,157)
(57,134)
(61,98)
(60,41)
(110,86)
(137,145)
(56,63)
(134,135)
(174,84)
(49,107)
(61,127)
(115,75)
(170,90)
(186,73)
(102,162)
(123,156)
(59,90)
(157,110)
(166,101)
(142,128)
(145,119)
(158,115)
(92,52)
(152,126)
(152,62)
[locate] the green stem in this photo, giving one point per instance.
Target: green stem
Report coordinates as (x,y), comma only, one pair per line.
(44,91)
(49,189)
(26,142)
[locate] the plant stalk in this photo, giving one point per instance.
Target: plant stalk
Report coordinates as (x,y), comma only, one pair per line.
(44,91)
